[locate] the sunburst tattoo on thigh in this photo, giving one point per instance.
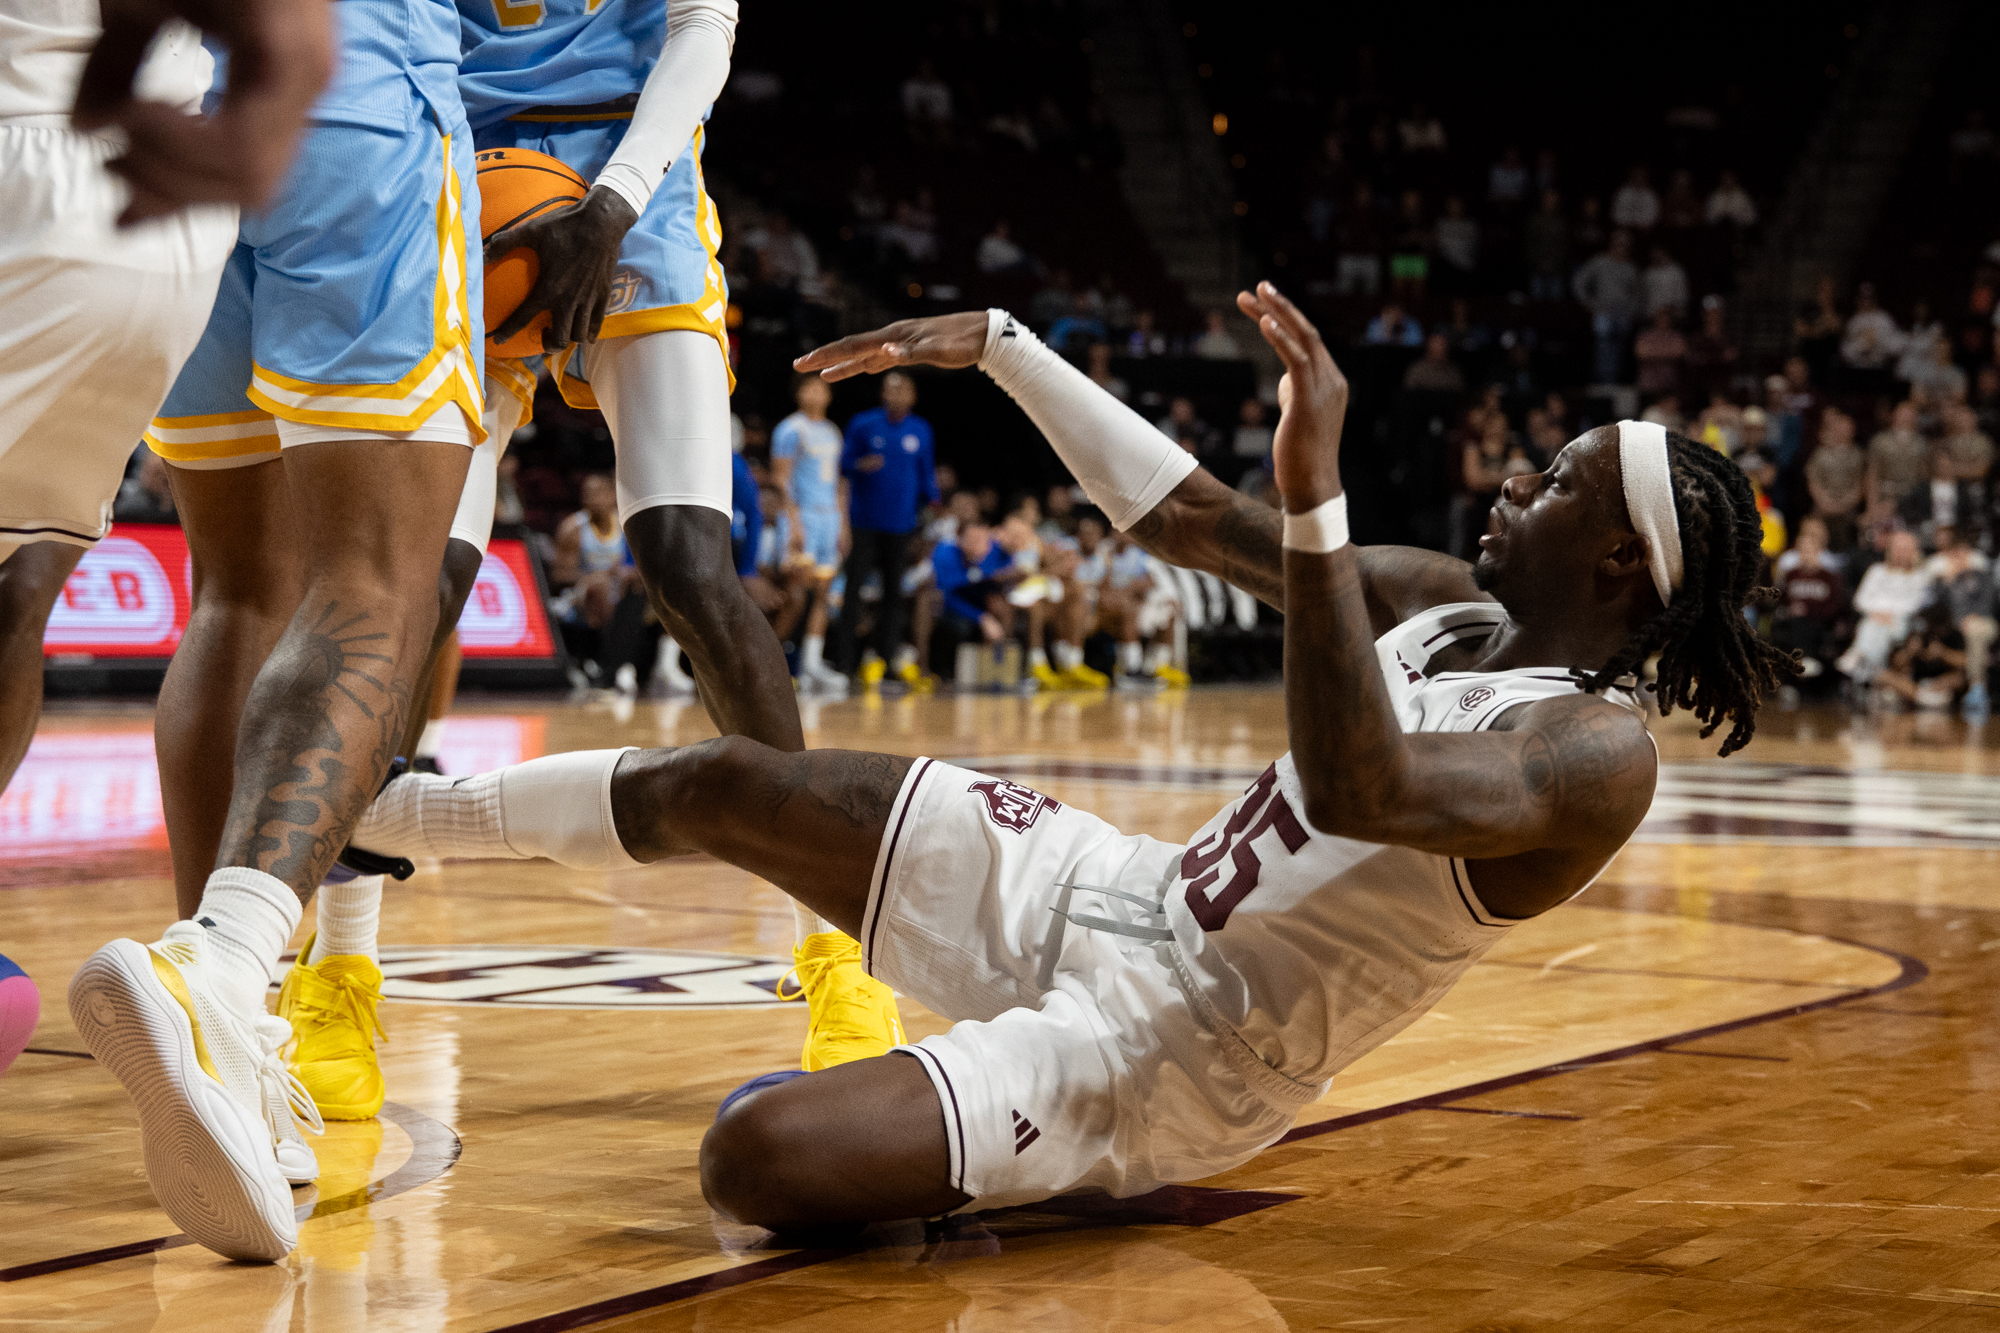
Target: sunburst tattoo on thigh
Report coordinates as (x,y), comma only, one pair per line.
(328,686)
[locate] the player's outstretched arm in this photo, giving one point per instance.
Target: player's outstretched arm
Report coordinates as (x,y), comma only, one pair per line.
(280,56)
(1142,481)
(1570,775)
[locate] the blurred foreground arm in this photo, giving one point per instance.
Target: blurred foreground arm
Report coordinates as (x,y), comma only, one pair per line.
(280,57)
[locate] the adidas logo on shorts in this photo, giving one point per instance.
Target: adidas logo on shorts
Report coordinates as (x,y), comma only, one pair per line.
(1025,1133)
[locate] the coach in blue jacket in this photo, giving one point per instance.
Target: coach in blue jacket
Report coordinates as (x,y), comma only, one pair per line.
(889,463)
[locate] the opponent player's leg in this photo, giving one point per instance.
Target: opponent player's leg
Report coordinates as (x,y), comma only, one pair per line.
(666,398)
(31,578)
(247,586)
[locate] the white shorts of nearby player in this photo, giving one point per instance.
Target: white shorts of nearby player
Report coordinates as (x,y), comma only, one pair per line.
(94,326)
(1079,1061)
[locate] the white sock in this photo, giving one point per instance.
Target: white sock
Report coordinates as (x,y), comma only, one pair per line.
(558,806)
(806,922)
(433,738)
(905,656)
(1130,655)
(249,916)
(1037,658)
(1158,656)
(814,652)
(350,917)
(669,668)
(1068,656)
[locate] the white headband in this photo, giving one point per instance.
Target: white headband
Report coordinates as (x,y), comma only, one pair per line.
(1649,498)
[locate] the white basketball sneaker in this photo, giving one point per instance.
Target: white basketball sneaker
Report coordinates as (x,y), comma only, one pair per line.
(209,1086)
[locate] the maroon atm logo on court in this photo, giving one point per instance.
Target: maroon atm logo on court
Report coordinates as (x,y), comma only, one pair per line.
(1011,805)
(1471,699)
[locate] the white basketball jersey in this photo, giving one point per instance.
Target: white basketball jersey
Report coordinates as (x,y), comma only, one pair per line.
(1317,949)
(43,44)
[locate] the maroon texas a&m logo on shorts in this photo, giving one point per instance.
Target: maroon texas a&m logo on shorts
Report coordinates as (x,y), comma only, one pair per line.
(1011,805)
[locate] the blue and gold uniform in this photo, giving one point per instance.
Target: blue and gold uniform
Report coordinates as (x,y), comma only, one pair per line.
(350,304)
(562,77)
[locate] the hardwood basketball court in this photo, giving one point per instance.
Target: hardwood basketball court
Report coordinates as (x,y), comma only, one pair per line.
(1741,1084)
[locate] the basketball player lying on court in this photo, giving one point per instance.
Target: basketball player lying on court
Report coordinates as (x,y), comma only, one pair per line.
(1468,750)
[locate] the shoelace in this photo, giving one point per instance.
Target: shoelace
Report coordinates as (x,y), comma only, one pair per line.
(277,1080)
(805,975)
(357,1003)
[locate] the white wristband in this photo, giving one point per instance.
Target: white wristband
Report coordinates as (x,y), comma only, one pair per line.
(1321,531)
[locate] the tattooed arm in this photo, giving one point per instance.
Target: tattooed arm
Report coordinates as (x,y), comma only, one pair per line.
(1539,806)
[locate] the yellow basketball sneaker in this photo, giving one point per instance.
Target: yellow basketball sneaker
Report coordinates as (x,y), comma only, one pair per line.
(916,678)
(853,1015)
(872,672)
(1082,677)
(1047,677)
(331,1005)
(1172,677)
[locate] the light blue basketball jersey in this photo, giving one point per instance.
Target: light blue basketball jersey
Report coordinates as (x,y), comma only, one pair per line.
(386,49)
(519,55)
(815,447)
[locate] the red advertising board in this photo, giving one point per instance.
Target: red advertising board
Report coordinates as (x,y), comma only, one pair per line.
(129,598)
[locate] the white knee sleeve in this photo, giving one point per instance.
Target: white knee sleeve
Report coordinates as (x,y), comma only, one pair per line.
(665,396)
(474,520)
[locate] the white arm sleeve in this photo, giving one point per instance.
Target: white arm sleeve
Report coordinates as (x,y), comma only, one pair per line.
(1124,465)
(693,66)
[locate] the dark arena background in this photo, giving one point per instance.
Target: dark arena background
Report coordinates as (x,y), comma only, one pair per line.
(1741,1083)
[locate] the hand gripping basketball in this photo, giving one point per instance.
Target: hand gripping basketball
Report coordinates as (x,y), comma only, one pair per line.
(552,245)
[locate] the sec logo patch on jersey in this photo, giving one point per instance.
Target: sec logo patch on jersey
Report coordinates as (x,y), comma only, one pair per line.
(1471,699)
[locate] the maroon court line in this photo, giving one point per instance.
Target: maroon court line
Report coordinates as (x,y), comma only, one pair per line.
(1731,1055)
(686,1289)
(1912,971)
(1522,1115)
(434,1148)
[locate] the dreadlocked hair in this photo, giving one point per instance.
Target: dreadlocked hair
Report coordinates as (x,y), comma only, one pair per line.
(1712,662)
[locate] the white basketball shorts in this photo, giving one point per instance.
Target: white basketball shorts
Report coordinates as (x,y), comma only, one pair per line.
(1078,1062)
(94,325)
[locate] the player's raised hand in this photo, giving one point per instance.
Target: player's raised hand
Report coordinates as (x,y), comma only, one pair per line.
(577,249)
(280,56)
(950,341)
(1312,401)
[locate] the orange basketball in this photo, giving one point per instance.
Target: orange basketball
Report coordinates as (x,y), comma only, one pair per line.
(516,184)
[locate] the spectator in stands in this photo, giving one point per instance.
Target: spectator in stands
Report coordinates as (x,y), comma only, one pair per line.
(1507,179)
(1836,474)
(789,257)
(1938,506)
(1711,356)
(1216,342)
(1182,423)
(1924,333)
(1608,286)
(1590,233)
(1053,301)
(1326,183)
(1358,242)
(1545,248)
(1421,132)
(1898,459)
(1891,592)
(907,235)
(1013,128)
(147,496)
(1252,441)
(1059,514)
(1457,239)
(1410,256)
(1661,352)
(888,460)
(1681,207)
(1483,469)
(964,571)
(1548,171)
(1145,339)
(1964,593)
(1081,327)
(1098,367)
(998,252)
(866,207)
(1114,306)
(1812,600)
(1927,669)
(1969,448)
(1730,203)
(1817,332)
(1869,344)
(1434,371)
(595,579)
(1393,328)
(927,105)
(1663,285)
(1985,399)
(1938,380)
(1636,207)
(1666,411)
(508,511)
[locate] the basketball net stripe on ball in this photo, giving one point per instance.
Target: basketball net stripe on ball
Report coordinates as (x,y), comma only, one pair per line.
(1649,497)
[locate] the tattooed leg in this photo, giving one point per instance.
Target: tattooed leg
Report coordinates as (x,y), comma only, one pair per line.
(327,710)
(811,822)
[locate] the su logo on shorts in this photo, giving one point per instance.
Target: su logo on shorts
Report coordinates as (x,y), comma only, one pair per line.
(1012,806)
(1471,699)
